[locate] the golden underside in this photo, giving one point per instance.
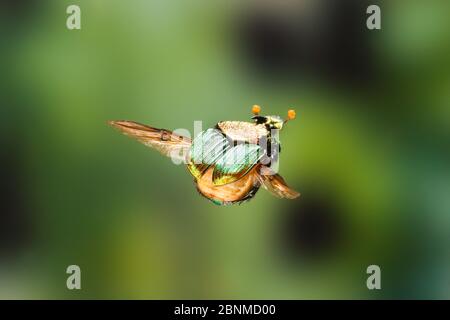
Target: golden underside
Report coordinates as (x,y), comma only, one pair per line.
(232,192)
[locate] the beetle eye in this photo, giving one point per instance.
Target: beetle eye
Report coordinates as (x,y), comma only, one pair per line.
(259,119)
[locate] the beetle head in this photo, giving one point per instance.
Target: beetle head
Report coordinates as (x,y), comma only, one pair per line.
(272,122)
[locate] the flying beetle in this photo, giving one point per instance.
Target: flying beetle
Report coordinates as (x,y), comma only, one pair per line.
(229,162)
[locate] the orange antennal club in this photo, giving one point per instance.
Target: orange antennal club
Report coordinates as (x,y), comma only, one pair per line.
(290,115)
(256,109)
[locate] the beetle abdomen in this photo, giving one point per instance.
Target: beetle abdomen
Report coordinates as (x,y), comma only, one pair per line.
(232,193)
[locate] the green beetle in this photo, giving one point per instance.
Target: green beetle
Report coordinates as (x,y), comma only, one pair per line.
(230,162)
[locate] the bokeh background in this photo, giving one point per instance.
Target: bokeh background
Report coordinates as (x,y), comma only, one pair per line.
(369,150)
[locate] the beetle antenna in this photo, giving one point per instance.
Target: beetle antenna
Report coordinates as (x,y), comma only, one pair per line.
(290,115)
(256,109)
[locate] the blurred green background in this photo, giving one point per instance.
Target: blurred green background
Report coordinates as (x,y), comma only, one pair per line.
(368,151)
